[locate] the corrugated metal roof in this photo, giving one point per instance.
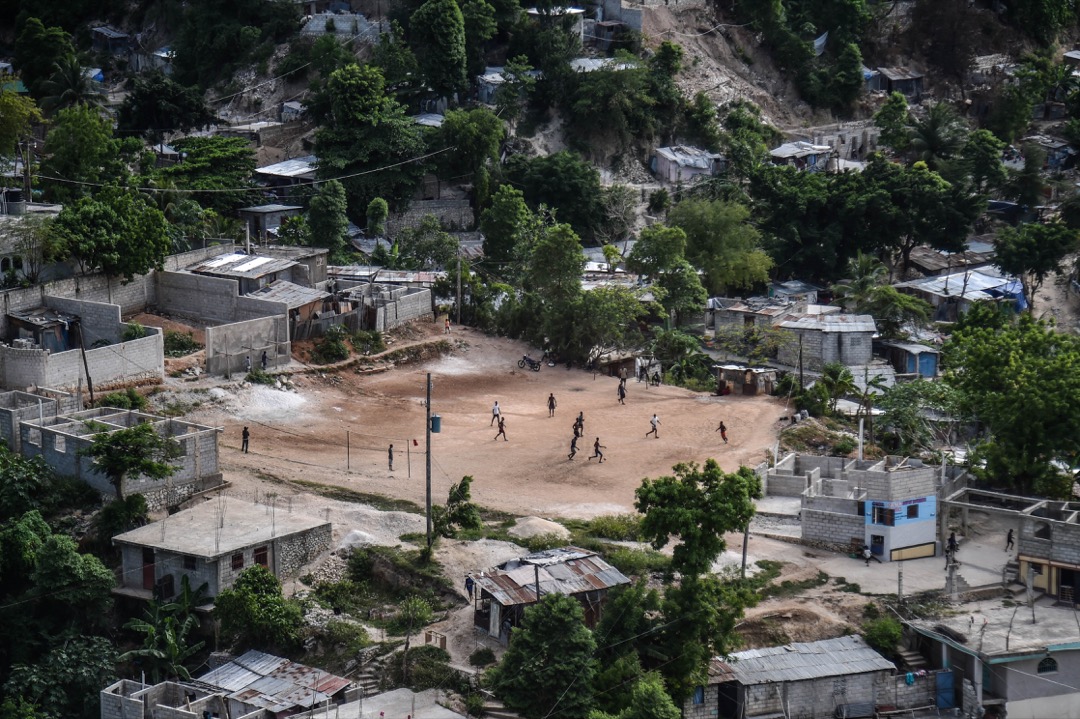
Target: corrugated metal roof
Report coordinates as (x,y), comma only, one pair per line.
(272,207)
(970,285)
(801,661)
(831,323)
(237,264)
(798,149)
(899,73)
(569,570)
(274,683)
(292,295)
(912,347)
(296,167)
(686,156)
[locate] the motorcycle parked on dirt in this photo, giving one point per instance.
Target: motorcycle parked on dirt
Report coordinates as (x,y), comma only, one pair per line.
(534,365)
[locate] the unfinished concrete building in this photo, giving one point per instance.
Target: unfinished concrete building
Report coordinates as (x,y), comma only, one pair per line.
(888,504)
(44,347)
(213,542)
(60,440)
(255,685)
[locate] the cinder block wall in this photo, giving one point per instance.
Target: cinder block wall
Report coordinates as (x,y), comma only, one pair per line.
(228,346)
(297,550)
(707,709)
(99,320)
(111,366)
(834,529)
(117,702)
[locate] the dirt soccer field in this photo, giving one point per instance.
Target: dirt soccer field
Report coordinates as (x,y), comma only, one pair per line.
(304,434)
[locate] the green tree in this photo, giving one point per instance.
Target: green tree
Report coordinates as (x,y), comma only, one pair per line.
(157,105)
(19,708)
(68,679)
(211,166)
(475,136)
(413,613)
(981,157)
(891,309)
(68,86)
(938,137)
(438,39)
(721,241)
(479,27)
(254,613)
(884,635)
(893,119)
(377,212)
(838,382)
(1042,20)
(865,272)
(1033,252)
(619,203)
(919,415)
(37,50)
(459,512)
(294,231)
(426,246)
(1011,114)
(1027,185)
(512,96)
(549,666)
(133,451)
(79,148)
(117,232)
(562,181)
(659,249)
(703,123)
(606,322)
(648,700)
(367,132)
(166,646)
(698,505)
(17,115)
(504,223)
(328,219)
(1017,377)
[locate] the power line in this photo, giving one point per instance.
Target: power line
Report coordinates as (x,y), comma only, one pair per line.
(251,189)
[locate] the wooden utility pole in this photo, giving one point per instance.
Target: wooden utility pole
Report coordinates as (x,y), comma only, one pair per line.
(427,459)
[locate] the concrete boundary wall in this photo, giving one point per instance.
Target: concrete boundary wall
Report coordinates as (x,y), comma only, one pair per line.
(111,366)
(229,346)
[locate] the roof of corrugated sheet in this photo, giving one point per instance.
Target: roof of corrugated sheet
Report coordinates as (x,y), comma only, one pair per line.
(296,167)
(274,683)
(237,264)
(799,662)
(569,570)
(831,323)
(899,73)
(687,156)
(798,149)
(971,284)
(292,295)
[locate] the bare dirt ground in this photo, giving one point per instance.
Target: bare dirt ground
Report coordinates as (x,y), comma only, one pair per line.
(346,418)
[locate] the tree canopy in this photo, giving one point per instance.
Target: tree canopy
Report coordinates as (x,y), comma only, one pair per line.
(254,613)
(157,105)
(1017,376)
(721,241)
(438,34)
(138,450)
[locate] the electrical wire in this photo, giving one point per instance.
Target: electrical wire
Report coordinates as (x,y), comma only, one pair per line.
(252,189)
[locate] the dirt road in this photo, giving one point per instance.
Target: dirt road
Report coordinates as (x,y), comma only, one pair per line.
(353,418)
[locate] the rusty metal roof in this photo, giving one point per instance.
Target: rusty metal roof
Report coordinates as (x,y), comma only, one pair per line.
(274,683)
(569,571)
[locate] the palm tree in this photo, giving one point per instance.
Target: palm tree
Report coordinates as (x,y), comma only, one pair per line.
(865,272)
(939,136)
(837,381)
(69,86)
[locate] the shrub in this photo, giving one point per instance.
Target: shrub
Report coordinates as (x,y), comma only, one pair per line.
(352,637)
(883,634)
(844,447)
(119,516)
(180,344)
(620,527)
(482,657)
(257,376)
(128,399)
(332,347)
(344,596)
(474,704)
(133,331)
(367,342)
(638,561)
(545,541)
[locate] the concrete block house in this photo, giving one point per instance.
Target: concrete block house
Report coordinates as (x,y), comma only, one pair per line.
(502,594)
(214,542)
(826,338)
(888,504)
(810,680)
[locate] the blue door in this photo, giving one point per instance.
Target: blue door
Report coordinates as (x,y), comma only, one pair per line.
(928,364)
(946,693)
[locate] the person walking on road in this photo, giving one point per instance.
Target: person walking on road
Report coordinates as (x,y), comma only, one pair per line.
(469,585)
(868,555)
(596,450)
(502,430)
(573,447)
(622,376)
(390,456)
(1009,543)
(953,544)
(655,422)
(245,437)
(551,405)
(622,394)
(447,330)
(723,431)
(496,413)
(581,422)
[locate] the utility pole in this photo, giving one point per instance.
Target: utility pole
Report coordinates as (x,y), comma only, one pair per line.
(427,458)
(459,281)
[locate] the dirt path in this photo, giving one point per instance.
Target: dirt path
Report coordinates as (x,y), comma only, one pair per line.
(348,419)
